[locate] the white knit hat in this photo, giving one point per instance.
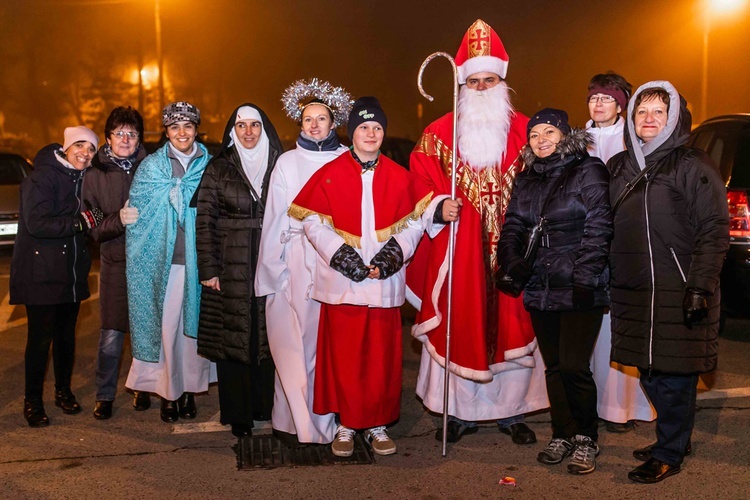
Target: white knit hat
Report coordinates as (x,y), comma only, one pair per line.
(80,133)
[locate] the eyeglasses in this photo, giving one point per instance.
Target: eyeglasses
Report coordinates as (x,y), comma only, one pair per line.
(121,133)
(605,99)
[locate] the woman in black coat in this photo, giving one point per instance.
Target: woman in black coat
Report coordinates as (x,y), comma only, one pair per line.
(567,284)
(50,266)
(671,236)
(106,186)
(232,330)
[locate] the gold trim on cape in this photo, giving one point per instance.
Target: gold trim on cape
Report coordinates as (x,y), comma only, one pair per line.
(398,226)
(300,213)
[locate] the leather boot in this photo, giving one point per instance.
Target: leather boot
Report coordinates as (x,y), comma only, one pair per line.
(33,412)
(67,401)
(103,410)
(169,413)
(141,400)
(186,404)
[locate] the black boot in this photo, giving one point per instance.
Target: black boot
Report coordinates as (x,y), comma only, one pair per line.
(33,412)
(103,410)
(187,407)
(67,401)
(169,412)
(141,400)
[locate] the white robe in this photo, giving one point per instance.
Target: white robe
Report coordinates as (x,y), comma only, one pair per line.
(620,396)
(180,369)
(285,269)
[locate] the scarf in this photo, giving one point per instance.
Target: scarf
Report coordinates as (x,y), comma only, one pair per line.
(124,163)
(254,161)
(330,143)
(184,158)
(366,165)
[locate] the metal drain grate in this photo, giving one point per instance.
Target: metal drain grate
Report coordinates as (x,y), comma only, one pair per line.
(267,452)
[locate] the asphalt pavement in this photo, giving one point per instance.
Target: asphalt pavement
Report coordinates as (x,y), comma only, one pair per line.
(136,455)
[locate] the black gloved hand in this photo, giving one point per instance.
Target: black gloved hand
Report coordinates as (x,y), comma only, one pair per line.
(695,306)
(583,297)
(521,272)
(91,218)
(389,260)
(347,261)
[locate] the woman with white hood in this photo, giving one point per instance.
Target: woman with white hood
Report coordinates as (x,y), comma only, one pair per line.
(287,260)
(232,326)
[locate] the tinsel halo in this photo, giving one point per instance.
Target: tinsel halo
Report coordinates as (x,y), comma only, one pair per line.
(298,93)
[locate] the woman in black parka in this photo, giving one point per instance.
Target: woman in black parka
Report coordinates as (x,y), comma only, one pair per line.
(567,286)
(671,235)
(232,329)
(50,267)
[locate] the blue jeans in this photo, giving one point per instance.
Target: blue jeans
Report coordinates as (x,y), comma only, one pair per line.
(503,423)
(673,396)
(108,363)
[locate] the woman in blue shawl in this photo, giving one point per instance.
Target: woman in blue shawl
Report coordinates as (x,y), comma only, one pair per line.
(162,272)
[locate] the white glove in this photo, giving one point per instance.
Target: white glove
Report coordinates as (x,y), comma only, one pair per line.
(128,214)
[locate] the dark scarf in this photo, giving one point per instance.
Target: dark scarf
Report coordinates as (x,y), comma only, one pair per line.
(124,163)
(330,143)
(366,165)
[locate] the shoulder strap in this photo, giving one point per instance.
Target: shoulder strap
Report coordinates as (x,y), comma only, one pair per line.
(631,185)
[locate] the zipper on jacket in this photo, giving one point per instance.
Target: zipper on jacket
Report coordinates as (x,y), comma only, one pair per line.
(75,245)
(676,261)
(653,278)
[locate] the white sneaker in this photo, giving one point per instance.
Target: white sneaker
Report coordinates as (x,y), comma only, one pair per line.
(380,442)
(343,444)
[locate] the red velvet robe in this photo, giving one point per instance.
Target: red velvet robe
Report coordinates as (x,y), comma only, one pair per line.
(491,332)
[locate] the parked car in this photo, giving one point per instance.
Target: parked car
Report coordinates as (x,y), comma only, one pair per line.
(13,169)
(727,140)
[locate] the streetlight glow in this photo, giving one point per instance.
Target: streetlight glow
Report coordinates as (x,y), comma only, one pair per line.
(724,6)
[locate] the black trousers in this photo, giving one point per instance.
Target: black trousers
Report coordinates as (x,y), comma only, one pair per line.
(245,391)
(56,325)
(673,396)
(566,340)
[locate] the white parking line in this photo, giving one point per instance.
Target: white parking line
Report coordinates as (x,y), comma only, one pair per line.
(214,425)
(737,392)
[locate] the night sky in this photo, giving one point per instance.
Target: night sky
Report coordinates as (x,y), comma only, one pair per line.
(63,62)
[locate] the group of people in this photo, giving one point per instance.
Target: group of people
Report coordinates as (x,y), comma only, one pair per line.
(281,275)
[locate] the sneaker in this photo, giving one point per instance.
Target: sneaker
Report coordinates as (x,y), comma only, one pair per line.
(584,456)
(343,444)
(380,442)
(556,451)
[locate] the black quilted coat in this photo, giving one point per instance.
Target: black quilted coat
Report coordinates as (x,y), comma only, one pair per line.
(232,321)
(671,233)
(578,228)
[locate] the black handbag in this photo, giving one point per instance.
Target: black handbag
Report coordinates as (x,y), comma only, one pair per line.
(503,281)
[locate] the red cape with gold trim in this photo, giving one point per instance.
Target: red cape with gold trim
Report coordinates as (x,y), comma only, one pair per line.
(334,193)
(491,332)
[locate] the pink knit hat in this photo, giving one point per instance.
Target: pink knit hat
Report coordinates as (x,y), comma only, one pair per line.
(80,133)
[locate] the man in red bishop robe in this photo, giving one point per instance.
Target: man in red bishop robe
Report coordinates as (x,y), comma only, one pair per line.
(496,371)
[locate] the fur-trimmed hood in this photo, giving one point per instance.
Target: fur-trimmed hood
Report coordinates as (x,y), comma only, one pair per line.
(576,143)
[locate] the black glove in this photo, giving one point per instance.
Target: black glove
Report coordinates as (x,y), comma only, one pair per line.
(389,259)
(91,218)
(438,217)
(521,272)
(347,261)
(695,306)
(583,297)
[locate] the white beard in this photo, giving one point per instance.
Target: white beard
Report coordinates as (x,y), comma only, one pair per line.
(483,124)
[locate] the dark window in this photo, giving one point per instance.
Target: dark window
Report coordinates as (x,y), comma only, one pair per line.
(13,169)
